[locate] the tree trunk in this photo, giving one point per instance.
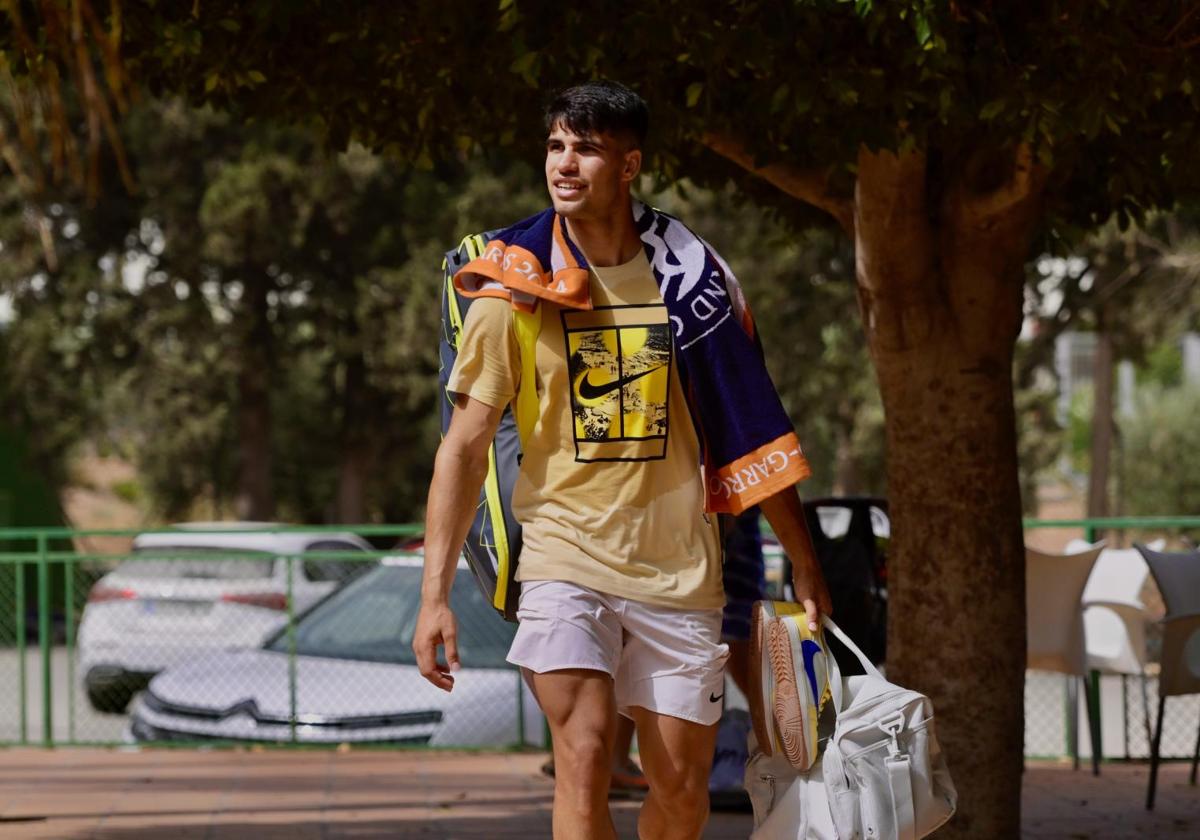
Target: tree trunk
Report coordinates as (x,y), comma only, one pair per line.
(255,499)
(845,466)
(941,304)
(956,602)
(1102,424)
(940,293)
(356,449)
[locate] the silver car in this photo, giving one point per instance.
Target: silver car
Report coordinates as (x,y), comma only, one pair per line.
(181,594)
(354,678)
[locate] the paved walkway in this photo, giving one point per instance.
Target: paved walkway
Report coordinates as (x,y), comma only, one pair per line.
(120,795)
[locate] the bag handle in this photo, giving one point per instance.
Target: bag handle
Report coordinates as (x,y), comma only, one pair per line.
(835,671)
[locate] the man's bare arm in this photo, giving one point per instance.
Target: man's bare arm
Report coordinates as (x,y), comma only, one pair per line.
(786,515)
(458,472)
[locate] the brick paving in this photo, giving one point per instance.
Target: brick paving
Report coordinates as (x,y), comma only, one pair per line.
(121,795)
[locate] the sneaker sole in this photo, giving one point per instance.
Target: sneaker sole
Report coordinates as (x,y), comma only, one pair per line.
(761,699)
(762,692)
(802,687)
(789,698)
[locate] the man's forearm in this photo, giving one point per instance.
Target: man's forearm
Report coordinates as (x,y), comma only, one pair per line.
(785,513)
(453,498)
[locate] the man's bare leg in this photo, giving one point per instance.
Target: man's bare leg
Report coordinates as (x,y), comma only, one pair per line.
(582,712)
(676,757)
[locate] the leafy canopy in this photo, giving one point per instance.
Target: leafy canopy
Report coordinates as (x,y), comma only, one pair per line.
(1107,92)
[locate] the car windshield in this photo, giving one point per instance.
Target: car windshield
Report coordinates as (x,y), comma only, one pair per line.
(372,619)
(195,563)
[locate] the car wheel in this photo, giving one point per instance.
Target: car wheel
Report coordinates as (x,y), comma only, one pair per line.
(110,699)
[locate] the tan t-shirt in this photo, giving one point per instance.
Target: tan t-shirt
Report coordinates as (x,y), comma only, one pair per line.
(609,493)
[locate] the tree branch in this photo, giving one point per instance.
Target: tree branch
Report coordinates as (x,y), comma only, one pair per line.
(1023,181)
(808,185)
(1175,30)
(1039,349)
(894,242)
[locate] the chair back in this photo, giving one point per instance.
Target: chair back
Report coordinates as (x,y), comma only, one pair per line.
(1177,574)
(1054,586)
(1114,616)
(1118,576)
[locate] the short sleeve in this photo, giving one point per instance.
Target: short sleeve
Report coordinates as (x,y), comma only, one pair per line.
(488,367)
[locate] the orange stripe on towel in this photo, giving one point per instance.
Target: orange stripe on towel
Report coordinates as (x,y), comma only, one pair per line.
(757,476)
(516,268)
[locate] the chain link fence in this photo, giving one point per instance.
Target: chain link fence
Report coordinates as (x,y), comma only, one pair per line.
(1125,729)
(207,636)
(303,636)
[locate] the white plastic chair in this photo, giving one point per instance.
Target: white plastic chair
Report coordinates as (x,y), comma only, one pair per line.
(1054,585)
(1114,616)
(1178,577)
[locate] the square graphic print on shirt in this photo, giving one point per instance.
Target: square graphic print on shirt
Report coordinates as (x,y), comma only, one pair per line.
(619,366)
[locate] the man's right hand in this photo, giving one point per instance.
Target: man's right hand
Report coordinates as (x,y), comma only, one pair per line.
(458,472)
(436,627)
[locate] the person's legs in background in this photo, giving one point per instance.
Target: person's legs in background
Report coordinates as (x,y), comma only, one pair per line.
(627,776)
(744,578)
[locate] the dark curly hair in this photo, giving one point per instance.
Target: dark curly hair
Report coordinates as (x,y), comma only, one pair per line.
(600,107)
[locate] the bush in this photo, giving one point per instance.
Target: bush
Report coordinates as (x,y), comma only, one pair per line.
(1162,452)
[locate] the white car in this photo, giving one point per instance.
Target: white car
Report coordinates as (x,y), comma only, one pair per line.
(180,595)
(353,677)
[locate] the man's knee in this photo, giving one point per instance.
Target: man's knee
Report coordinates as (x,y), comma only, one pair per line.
(681,793)
(582,753)
(682,806)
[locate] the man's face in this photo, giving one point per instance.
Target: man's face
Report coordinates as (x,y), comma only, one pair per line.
(587,175)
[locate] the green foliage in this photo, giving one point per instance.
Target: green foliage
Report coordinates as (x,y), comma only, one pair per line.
(145,324)
(1106,93)
(1079,429)
(1162,460)
(1039,440)
(1140,286)
(348,247)
(1163,366)
(128,490)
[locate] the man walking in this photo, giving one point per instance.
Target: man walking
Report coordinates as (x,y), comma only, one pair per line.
(653,414)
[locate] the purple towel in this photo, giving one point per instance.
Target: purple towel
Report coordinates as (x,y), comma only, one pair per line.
(750,449)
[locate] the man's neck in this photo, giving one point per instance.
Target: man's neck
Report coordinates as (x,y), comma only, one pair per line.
(609,241)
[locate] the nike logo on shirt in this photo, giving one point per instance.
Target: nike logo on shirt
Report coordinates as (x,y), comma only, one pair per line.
(588,391)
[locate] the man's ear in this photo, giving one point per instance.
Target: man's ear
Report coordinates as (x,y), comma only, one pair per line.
(633,164)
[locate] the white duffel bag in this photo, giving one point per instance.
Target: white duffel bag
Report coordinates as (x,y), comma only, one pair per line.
(881,775)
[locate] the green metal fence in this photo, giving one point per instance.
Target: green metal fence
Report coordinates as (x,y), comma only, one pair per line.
(54,691)
(301,636)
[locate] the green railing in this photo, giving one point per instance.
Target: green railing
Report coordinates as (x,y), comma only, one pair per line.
(50,583)
(1093,527)
(40,563)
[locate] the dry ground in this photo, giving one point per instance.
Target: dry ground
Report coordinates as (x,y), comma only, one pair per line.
(121,795)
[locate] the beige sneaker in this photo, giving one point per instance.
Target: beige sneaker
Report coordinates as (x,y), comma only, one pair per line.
(792,682)
(762,680)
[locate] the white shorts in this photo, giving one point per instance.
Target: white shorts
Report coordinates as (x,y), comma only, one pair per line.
(670,661)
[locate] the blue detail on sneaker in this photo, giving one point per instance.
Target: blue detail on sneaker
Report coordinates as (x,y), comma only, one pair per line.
(811,650)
